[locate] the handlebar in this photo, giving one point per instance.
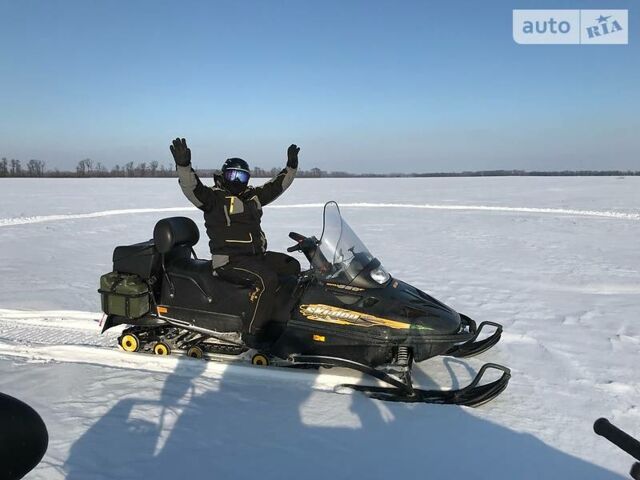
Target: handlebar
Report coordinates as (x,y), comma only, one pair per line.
(305,244)
(621,439)
(298,238)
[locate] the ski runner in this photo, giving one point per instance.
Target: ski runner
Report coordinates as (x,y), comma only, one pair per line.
(232,214)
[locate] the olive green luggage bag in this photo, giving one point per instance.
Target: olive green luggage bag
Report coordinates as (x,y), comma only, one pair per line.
(124,295)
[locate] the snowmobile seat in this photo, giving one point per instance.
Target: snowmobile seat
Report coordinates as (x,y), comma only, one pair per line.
(193,286)
(200,272)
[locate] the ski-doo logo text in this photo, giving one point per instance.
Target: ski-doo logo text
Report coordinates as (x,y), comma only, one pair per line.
(570,27)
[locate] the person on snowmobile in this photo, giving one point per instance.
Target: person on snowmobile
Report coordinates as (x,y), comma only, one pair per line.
(232,213)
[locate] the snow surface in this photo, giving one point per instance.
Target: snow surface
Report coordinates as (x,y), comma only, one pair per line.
(555,260)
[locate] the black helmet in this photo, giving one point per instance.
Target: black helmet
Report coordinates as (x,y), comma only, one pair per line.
(235,175)
(236,164)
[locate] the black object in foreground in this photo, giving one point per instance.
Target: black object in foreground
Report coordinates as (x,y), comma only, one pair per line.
(621,439)
(23,438)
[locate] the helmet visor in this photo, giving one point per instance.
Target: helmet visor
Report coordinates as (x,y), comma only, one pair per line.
(234,175)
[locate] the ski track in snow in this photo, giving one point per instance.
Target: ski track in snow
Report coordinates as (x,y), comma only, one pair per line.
(8,222)
(74,337)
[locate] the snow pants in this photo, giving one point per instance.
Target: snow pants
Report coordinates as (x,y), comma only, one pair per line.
(262,272)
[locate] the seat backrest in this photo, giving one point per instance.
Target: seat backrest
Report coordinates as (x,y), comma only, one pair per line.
(173,232)
(141,259)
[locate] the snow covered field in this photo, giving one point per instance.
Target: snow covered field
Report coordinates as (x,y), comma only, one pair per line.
(555,260)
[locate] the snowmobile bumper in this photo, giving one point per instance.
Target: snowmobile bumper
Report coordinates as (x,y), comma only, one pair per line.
(472,395)
(473,346)
(462,344)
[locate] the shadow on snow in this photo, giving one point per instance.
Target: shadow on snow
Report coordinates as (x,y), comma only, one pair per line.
(241,428)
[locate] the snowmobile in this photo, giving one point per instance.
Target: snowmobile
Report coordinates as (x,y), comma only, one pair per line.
(344,311)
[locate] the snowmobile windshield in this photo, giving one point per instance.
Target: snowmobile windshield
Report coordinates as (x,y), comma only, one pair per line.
(341,256)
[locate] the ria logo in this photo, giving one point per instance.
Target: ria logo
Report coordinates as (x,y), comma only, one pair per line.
(571,27)
(604,27)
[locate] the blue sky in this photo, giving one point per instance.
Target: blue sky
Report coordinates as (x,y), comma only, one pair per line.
(361,86)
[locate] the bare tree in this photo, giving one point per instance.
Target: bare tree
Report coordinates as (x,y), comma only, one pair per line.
(4,169)
(35,168)
(153,168)
(16,168)
(258,172)
(88,165)
(129,170)
(101,170)
(84,167)
(141,169)
(32,168)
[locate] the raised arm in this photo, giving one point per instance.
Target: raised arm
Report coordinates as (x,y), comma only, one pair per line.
(271,190)
(201,196)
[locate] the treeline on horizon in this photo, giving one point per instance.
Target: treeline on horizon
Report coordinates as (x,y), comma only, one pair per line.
(88,169)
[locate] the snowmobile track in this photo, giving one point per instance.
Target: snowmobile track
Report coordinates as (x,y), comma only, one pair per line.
(74,337)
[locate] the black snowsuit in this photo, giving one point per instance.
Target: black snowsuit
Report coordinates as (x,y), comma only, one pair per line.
(237,243)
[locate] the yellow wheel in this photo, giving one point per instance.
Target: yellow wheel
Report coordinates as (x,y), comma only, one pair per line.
(130,343)
(195,352)
(260,359)
(161,348)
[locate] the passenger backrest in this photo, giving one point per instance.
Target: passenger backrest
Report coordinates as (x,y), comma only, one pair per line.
(141,259)
(173,232)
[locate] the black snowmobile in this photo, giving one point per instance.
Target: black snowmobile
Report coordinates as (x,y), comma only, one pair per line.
(345,311)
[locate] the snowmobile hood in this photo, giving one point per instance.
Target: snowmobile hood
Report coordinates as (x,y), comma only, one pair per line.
(399,308)
(421,310)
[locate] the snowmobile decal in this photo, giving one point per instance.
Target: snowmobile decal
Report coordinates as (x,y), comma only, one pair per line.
(341,316)
(344,287)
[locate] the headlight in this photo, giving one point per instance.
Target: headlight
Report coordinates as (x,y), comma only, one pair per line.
(379,275)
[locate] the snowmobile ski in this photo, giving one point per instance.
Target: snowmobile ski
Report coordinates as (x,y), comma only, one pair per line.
(472,395)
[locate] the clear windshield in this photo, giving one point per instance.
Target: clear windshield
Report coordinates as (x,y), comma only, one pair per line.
(341,255)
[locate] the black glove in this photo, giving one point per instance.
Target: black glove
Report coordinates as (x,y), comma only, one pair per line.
(181,153)
(292,156)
